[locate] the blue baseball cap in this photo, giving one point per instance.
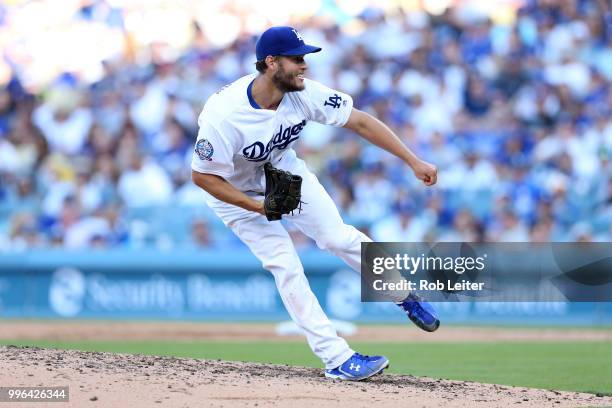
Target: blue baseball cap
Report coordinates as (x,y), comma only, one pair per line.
(282,40)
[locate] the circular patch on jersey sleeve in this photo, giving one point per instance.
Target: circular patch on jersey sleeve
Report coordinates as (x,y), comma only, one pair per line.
(204,149)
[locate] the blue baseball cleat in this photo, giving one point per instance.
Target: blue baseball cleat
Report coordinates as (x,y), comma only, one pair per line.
(358,367)
(420,312)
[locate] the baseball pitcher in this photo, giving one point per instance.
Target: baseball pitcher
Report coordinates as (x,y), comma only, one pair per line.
(244,158)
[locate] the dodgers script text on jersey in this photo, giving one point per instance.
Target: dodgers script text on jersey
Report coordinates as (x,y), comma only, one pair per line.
(260,152)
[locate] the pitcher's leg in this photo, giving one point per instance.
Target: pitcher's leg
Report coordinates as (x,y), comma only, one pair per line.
(321,221)
(270,242)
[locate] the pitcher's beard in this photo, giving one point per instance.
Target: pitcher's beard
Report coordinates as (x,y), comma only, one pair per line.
(286,82)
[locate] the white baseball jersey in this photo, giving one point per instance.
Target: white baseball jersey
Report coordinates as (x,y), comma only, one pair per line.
(236,137)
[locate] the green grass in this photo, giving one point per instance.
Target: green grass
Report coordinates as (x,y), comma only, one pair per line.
(572,366)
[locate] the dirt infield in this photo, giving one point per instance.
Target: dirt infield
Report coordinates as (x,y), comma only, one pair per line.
(111,330)
(120,380)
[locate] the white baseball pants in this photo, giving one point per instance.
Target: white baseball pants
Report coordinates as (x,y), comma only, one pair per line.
(271,243)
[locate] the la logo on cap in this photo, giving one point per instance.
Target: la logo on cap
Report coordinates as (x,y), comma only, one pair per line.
(299,37)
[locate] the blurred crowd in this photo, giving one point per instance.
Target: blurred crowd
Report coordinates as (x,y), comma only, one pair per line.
(516,113)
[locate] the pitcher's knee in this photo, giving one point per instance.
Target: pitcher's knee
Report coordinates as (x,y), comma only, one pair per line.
(284,269)
(339,239)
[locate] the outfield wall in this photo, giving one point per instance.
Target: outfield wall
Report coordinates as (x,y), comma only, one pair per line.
(221,285)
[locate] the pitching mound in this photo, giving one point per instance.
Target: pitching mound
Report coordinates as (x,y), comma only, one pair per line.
(122,380)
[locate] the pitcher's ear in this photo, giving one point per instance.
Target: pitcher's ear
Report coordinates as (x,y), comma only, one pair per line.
(271,61)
